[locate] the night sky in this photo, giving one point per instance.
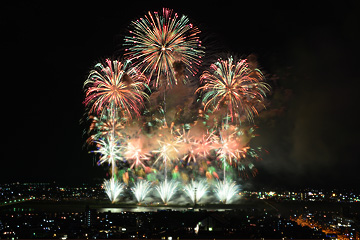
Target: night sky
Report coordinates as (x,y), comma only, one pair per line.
(309,52)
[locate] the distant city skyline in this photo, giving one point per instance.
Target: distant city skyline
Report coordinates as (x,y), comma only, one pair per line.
(38,210)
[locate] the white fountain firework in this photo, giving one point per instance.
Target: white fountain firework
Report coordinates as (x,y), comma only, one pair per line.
(141,190)
(196,190)
(113,189)
(226,190)
(166,190)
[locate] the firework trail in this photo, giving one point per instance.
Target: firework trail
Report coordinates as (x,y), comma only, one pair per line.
(226,190)
(141,190)
(196,190)
(115,84)
(236,86)
(162,45)
(113,189)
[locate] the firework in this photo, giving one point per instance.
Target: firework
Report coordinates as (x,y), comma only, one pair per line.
(104,125)
(205,145)
(228,150)
(186,143)
(109,151)
(113,189)
(226,190)
(190,155)
(141,190)
(235,85)
(134,152)
(161,45)
(232,148)
(245,163)
(166,190)
(167,152)
(166,137)
(115,84)
(196,190)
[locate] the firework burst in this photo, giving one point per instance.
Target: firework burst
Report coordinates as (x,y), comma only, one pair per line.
(135,154)
(109,151)
(168,151)
(196,190)
(204,146)
(141,190)
(115,84)
(226,190)
(190,155)
(113,189)
(109,123)
(166,190)
(235,85)
(228,150)
(161,45)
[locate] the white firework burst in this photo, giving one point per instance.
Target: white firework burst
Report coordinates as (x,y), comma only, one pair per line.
(113,189)
(141,190)
(167,189)
(196,190)
(109,150)
(226,190)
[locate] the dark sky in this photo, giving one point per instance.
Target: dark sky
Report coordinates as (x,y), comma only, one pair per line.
(308,50)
